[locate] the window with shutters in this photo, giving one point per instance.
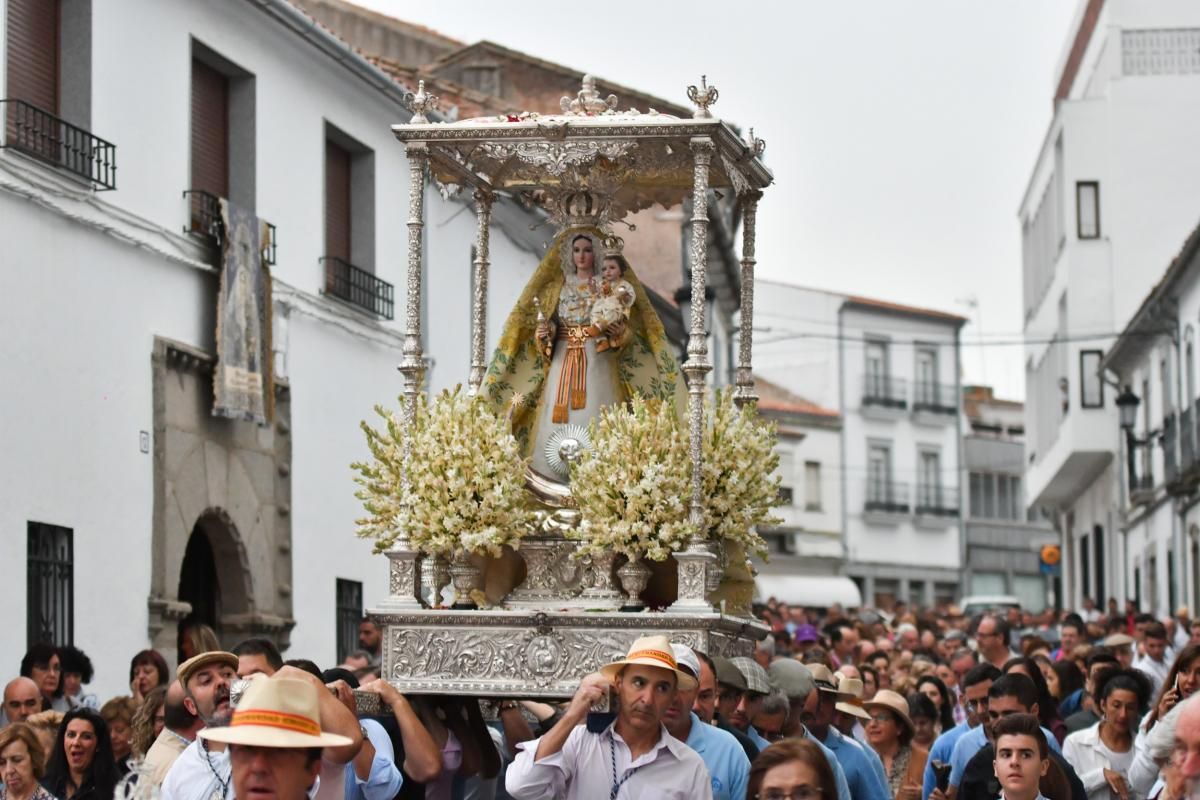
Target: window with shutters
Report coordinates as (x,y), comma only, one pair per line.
(350,226)
(46,101)
(222,138)
(32,48)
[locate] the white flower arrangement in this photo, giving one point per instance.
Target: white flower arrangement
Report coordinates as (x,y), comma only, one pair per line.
(631,486)
(740,486)
(466,479)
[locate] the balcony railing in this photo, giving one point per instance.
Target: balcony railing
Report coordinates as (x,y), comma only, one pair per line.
(887,497)
(204,219)
(1170,443)
(938,398)
(937,501)
(885,391)
(41,135)
(358,287)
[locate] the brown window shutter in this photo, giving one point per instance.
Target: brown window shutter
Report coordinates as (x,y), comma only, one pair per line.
(210,130)
(337,201)
(33,27)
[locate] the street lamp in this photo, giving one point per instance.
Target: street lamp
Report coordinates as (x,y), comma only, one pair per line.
(1127,405)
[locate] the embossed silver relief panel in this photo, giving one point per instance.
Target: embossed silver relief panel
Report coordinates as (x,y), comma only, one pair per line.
(533,657)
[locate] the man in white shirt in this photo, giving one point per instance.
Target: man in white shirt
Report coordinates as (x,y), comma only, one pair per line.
(198,773)
(1156,663)
(634,757)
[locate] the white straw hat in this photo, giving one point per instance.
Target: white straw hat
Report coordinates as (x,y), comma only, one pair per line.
(276,712)
(651,651)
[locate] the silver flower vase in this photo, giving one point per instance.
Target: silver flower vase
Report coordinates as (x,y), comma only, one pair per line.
(467,577)
(435,575)
(600,592)
(634,576)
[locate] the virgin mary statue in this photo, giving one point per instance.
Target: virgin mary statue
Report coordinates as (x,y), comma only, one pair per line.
(555,368)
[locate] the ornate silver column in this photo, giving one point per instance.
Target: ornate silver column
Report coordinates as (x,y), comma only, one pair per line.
(404,584)
(694,561)
(483,212)
(744,391)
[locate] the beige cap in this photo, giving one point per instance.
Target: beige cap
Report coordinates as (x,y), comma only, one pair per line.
(1118,640)
(194,664)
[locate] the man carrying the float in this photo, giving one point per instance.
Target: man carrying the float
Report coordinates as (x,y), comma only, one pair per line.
(632,758)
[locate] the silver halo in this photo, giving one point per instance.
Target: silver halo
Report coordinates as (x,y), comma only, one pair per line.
(564,446)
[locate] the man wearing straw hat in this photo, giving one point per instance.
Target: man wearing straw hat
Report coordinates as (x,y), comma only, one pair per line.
(634,757)
(275,739)
(865,781)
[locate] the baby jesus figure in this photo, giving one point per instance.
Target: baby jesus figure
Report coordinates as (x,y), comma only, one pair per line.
(614,299)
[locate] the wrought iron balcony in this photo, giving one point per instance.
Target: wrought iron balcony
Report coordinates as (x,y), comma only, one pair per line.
(886,497)
(204,219)
(937,501)
(885,391)
(938,398)
(41,135)
(358,287)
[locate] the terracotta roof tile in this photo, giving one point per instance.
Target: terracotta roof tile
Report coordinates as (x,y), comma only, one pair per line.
(772,397)
(900,308)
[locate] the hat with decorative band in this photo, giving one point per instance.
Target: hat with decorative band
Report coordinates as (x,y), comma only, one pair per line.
(650,651)
(276,712)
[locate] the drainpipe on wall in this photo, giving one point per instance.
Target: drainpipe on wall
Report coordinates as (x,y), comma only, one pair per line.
(842,447)
(963,569)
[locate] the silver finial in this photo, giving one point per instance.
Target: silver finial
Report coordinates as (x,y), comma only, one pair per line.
(703,97)
(588,102)
(757,146)
(420,104)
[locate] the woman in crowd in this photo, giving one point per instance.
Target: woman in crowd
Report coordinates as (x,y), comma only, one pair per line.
(1181,683)
(935,689)
(118,715)
(81,766)
(148,721)
(1047,705)
(924,715)
(76,673)
(1103,753)
(43,666)
(794,769)
(890,733)
(147,669)
(870,679)
(1070,687)
(21,764)
(195,638)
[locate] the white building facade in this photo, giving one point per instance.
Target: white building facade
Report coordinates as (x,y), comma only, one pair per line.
(1111,193)
(1156,358)
(892,372)
(124,497)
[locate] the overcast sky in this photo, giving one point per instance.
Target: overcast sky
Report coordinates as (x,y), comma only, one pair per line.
(901,132)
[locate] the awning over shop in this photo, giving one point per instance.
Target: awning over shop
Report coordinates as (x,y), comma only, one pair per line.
(819,591)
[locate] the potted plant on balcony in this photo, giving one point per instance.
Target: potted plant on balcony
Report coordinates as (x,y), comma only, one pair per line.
(466,495)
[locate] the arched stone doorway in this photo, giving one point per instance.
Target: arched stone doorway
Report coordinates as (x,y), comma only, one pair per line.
(221,546)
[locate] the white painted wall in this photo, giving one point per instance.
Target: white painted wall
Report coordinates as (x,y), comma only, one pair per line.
(93,279)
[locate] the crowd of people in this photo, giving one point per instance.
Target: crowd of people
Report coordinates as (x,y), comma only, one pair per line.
(830,706)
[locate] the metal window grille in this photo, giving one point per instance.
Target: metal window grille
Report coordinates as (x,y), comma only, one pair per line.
(349,614)
(50,582)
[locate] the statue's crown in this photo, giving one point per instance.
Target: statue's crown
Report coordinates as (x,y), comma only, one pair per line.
(612,245)
(581,208)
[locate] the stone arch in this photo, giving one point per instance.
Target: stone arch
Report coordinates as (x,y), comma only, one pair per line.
(222,495)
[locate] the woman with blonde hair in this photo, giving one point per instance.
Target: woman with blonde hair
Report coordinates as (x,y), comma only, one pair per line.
(118,713)
(45,727)
(148,721)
